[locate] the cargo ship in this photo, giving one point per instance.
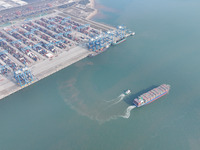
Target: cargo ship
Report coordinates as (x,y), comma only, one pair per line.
(97,52)
(119,41)
(152,95)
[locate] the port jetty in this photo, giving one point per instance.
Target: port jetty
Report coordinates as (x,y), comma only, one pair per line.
(40,38)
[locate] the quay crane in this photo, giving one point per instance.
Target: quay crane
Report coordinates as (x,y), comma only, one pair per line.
(4,69)
(23,76)
(59,35)
(65,20)
(67,28)
(66,33)
(32,31)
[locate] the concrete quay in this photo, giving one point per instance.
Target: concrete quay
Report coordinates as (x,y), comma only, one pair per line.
(44,69)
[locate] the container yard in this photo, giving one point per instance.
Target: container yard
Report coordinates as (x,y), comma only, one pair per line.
(33,48)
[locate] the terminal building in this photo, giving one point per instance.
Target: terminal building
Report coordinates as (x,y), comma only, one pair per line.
(6,4)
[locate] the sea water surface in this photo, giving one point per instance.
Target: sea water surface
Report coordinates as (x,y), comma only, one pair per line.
(82,106)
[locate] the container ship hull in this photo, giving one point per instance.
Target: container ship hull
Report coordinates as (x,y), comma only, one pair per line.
(152,95)
(119,41)
(99,52)
(155,98)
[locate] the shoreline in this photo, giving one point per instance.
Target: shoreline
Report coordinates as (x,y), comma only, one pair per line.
(92,4)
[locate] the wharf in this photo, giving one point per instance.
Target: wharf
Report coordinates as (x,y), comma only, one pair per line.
(96,25)
(44,69)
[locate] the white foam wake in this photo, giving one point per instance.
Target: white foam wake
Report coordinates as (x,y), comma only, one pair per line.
(116,100)
(128,112)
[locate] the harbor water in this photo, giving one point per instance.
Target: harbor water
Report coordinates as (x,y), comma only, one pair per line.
(82,107)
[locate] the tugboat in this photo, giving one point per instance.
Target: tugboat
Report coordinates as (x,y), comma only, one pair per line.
(127,92)
(133,33)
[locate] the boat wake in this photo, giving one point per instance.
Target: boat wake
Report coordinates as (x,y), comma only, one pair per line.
(128,112)
(116,100)
(96,109)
